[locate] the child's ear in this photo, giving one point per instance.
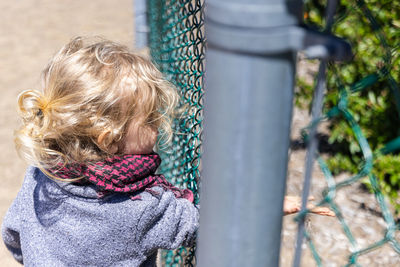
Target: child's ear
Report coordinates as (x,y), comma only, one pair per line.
(104,140)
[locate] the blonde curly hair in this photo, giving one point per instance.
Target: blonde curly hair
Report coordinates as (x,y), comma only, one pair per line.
(91,90)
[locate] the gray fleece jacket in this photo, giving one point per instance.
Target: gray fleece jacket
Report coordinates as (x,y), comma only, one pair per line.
(61,224)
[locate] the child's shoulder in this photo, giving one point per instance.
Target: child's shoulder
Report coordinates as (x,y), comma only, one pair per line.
(30,180)
(155,217)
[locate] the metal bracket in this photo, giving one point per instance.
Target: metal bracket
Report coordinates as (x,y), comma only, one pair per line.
(262,33)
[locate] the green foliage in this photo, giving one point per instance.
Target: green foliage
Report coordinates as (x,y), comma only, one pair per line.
(303,95)
(370,81)
(388,169)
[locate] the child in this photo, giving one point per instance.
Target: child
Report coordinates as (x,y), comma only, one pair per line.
(92,130)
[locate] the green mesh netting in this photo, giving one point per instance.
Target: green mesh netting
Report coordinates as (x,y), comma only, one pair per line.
(177,46)
(177,43)
(381,78)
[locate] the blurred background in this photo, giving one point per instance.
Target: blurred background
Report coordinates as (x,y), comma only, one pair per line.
(31,31)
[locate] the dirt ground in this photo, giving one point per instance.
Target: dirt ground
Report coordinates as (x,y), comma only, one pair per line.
(359,209)
(32,30)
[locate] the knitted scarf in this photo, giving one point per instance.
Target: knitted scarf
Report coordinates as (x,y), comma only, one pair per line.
(126,174)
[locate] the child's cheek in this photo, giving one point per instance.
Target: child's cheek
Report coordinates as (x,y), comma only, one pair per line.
(141,141)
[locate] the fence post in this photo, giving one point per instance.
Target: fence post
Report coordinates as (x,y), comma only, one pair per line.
(248,106)
(141,26)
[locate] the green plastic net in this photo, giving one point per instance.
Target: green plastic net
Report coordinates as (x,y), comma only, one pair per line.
(381,77)
(177,46)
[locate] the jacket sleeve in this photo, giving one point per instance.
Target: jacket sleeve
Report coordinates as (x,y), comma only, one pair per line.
(10,230)
(168,223)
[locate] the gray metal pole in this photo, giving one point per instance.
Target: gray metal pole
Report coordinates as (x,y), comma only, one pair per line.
(141,26)
(248,107)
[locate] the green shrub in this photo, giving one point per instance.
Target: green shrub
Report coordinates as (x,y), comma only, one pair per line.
(370,80)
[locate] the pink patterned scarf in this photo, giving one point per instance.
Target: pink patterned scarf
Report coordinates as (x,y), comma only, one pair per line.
(126,174)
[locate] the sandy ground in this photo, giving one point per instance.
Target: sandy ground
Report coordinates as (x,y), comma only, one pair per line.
(31,31)
(360,210)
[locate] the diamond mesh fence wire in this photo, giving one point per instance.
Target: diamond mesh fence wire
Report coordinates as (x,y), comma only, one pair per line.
(380,80)
(177,46)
